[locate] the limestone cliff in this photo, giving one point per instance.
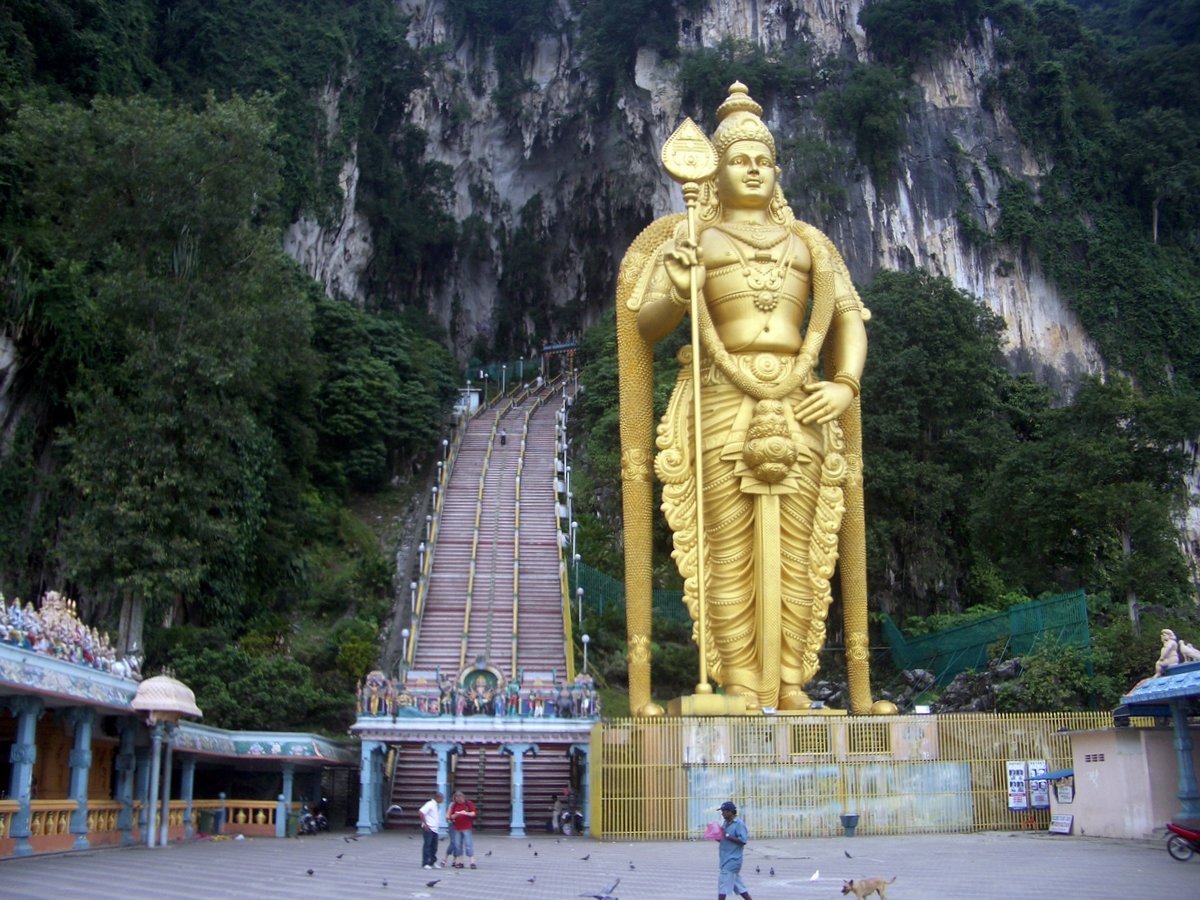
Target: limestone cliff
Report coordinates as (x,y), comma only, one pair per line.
(596,180)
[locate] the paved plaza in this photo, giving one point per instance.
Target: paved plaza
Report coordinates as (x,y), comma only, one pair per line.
(927,867)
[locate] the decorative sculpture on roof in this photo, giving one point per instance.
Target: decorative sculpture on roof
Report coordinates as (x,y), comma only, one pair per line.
(1174,651)
(56,630)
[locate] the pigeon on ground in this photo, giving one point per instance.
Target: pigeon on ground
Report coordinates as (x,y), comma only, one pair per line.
(310,871)
(605,893)
(489,853)
(533,879)
(535,853)
(848,856)
(428,883)
(757,870)
(772,871)
(586,858)
(340,855)
(394,808)
(816,876)
(385,882)
(632,866)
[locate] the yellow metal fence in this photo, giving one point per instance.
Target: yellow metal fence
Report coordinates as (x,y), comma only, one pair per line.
(796,776)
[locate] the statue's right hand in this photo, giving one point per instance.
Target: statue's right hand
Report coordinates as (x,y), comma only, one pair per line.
(680,262)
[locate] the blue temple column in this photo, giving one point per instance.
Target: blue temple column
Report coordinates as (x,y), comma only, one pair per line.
(517,752)
(165,816)
(581,753)
(289,785)
(443,749)
(289,782)
(141,790)
(187,787)
(1189,793)
(22,756)
(82,717)
(156,742)
(369,792)
(126,766)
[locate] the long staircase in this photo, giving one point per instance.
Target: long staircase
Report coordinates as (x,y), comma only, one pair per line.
(494,599)
(485,602)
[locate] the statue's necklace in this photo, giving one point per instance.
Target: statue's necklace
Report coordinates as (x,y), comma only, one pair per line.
(762,275)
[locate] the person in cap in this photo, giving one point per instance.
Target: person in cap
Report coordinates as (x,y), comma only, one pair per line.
(730,853)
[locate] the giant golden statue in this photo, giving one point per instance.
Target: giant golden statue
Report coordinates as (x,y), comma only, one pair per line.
(778,451)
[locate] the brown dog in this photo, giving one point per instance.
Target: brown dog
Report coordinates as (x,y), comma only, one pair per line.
(865,887)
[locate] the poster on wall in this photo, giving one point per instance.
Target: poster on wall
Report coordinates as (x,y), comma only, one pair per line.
(1018,781)
(1064,790)
(1039,787)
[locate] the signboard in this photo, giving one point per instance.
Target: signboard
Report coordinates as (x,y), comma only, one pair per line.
(1061,823)
(1039,787)
(1018,780)
(1064,791)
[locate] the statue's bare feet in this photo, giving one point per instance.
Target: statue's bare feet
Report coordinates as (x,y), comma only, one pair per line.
(792,697)
(733,690)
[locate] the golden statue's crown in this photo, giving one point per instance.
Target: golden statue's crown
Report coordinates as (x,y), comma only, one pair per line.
(740,120)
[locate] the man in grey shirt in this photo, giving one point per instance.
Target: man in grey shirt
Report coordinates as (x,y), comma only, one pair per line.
(730,853)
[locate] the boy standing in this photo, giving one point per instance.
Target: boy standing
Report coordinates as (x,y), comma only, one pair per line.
(431,815)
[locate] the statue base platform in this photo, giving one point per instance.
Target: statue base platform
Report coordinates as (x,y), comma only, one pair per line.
(819,711)
(735,705)
(709,705)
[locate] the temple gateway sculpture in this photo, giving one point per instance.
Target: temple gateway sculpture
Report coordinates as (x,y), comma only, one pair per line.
(764,499)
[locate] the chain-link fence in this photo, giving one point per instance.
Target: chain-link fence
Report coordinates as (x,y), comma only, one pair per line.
(1060,619)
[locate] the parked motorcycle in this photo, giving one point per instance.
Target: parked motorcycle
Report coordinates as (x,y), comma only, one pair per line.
(322,820)
(1182,842)
(570,822)
(310,822)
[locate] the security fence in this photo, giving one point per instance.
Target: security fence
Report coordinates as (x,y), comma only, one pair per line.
(602,592)
(1061,619)
(797,776)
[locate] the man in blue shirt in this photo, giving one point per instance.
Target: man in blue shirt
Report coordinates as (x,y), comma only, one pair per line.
(730,853)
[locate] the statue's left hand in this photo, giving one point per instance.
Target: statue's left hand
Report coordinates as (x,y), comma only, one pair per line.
(826,401)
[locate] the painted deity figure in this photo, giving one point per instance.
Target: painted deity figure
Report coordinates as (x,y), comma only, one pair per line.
(1174,651)
(782,349)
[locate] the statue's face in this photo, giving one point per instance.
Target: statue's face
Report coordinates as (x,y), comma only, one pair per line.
(746,178)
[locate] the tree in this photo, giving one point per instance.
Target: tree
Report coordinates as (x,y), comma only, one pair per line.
(1161,152)
(382,393)
(934,416)
(154,280)
(872,108)
(1090,500)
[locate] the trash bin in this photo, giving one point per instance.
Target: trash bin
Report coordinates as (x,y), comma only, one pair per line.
(293,824)
(208,822)
(849,823)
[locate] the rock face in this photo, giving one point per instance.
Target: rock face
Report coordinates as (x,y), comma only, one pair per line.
(597,181)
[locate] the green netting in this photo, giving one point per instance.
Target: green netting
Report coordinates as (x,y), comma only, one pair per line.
(1061,619)
(601,591)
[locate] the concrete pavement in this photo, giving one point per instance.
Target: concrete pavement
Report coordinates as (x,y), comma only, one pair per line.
(986,866)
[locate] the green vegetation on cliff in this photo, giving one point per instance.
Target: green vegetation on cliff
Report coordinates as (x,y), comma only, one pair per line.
(187,416)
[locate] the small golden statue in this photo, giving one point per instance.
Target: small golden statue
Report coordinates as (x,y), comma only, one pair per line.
(777,454)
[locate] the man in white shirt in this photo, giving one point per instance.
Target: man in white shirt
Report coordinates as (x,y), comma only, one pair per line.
(431,819)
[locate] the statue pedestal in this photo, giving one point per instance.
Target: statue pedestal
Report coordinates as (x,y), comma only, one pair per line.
(710,705)
(821,711)
(734,705)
